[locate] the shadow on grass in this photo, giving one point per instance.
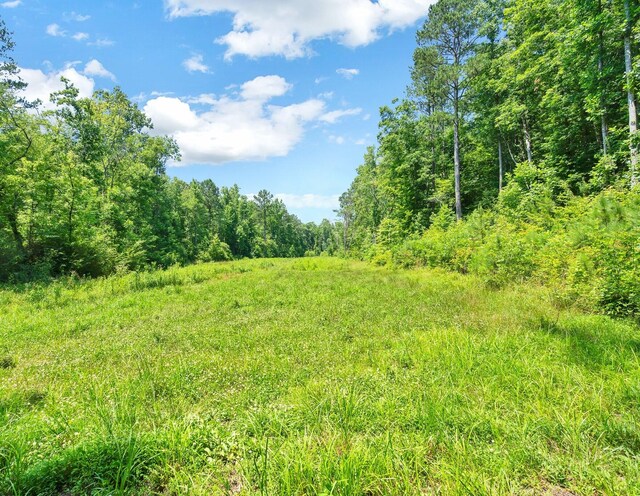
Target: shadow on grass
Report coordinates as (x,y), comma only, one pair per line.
(115,467)
(593,342)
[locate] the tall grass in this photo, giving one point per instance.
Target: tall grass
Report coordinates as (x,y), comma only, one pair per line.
(313,376)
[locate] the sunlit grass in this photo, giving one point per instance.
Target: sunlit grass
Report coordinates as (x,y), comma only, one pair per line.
(312,376)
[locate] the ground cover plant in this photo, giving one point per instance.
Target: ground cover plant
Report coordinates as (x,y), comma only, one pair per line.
(312,376)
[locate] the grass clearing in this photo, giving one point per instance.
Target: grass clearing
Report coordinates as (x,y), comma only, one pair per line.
(312,376)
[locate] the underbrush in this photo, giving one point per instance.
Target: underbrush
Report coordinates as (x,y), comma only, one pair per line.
(587,251)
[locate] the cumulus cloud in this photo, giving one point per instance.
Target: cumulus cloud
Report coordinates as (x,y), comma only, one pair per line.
(196,64)
(95,68)
(265,88)
(348,73)
(55,30)
(11,5)
(40,85)
(171,115)
(80,36)
(287,27)
(309,200)
(246,125)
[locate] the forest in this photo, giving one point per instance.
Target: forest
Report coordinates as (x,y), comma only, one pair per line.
(514,154)
(84,190)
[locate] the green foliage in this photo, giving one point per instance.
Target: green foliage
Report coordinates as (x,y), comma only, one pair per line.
(587,250)
(218,251)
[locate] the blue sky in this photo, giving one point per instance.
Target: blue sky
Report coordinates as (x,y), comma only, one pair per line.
(274,94)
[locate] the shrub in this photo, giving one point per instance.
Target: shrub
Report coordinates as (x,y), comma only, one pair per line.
(587,250)
(217,251)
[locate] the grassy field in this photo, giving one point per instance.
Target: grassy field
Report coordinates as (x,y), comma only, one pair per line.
(312,376)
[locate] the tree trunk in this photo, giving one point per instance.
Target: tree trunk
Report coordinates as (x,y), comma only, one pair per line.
(605,135)
(500,166)
(603,116)
(527,140)
(456,153)
(513,159)
(633,115)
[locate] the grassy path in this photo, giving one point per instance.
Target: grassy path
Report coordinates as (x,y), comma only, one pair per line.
(312,376)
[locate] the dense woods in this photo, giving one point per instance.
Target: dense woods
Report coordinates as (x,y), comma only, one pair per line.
(83,189)
(520,123)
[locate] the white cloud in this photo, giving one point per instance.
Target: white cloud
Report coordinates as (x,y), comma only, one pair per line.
(143,96)
(348,73)
(196,64)
(55,30)
(41,85)
(95,68)
(338,140)
(287,27)
(161,93)
(265,88)
(235,128)
(309,200)
(11,5)
(74,16)
(102,42)
(171,115)
(204,99)
(335,115)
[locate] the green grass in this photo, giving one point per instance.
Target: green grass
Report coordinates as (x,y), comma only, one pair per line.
(314,376)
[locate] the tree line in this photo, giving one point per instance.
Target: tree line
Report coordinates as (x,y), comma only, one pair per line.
(519,125)
(84,189)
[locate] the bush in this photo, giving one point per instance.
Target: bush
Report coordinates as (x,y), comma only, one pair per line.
(217,251)
(620,266)
(587,250)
